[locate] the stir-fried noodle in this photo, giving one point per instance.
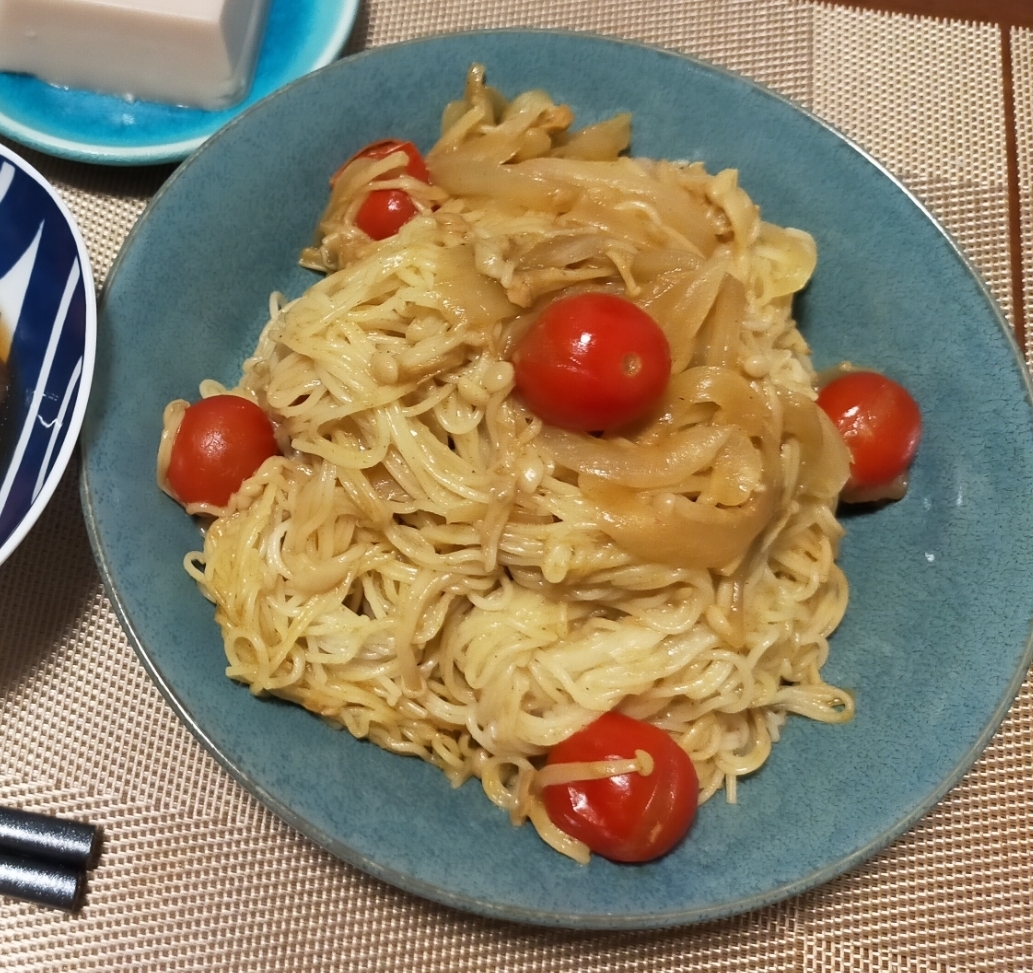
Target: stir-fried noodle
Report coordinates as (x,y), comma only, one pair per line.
(431,567)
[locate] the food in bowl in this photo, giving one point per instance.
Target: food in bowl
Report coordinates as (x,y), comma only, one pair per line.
(426,559)
(48,333)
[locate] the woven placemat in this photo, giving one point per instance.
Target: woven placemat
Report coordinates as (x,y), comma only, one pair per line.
(1022,72)
(197,876)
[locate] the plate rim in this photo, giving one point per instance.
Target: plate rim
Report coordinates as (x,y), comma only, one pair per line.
(578,920)
(41,139)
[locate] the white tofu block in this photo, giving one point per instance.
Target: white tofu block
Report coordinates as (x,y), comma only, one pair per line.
(200,53)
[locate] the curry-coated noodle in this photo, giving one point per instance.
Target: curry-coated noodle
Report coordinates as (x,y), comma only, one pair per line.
(433,568)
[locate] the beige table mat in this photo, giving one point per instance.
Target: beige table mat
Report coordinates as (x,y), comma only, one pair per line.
(197,876)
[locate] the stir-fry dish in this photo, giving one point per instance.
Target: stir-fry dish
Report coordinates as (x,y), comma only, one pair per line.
(534,483)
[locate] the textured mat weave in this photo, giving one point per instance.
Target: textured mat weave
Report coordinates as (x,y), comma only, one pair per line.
(196,876)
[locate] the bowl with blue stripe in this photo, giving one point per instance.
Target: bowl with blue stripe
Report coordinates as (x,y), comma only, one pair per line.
(48,335)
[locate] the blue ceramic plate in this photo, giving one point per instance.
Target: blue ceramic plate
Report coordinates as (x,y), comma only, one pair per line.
(48,335)
(937,637)
(300,35)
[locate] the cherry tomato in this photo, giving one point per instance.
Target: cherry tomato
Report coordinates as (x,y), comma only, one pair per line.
(384,211)
(415,167)
(592,362)
(628,818)
(221,441)
(879,422)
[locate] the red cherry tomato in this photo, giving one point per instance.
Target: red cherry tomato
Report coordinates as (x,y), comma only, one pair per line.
(221,441)
(384,211)
(628,818)
(415,167)
(879,422)
(592,362)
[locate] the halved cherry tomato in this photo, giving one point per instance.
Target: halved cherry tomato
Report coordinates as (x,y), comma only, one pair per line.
(592,362)
(880,423)
(220,442)
(384,211)
(631,817)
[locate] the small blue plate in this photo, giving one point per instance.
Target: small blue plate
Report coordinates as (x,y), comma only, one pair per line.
(48,336)
(936,640)
(300,35)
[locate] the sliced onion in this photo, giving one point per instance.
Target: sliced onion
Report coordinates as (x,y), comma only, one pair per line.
(719,338)
(679,301)
(665,464)
(824,458)
(460,175)
(604,140)
(688,534)
(734,400)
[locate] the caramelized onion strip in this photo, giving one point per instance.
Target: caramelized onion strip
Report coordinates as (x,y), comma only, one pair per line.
(649,467)
(685,533)
(728,398)
(824,459)
(719,338)
(680,302)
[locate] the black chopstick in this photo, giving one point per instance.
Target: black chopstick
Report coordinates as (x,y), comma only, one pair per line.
(45,859)
(60,840)
(41,881)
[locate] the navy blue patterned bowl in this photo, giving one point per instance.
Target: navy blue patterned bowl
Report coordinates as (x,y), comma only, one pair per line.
(48,336)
